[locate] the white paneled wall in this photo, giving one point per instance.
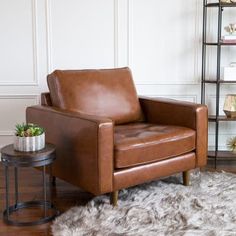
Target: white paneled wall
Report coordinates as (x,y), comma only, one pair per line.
(81,33)
(159,40)
(18,43)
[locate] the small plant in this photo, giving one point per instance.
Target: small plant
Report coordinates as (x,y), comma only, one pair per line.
(231,144)
(28,130)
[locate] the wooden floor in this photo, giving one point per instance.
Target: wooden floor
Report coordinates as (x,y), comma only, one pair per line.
(30,188)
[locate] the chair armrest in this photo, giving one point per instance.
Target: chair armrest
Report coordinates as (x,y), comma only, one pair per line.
(187,114)
(84,146)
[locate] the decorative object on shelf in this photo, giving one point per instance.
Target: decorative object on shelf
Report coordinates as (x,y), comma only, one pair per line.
(231,144)
(231,28)
(230,105)
(229,72)
(231,37)
(29,137)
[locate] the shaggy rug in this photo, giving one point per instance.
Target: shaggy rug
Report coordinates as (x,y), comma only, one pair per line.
(164,207)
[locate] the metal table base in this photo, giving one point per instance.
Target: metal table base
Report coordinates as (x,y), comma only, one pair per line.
(29,161)
(30,204)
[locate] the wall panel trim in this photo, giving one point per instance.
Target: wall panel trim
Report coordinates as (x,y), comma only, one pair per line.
(50,37)
(17,96)
(197,59)
(35,81)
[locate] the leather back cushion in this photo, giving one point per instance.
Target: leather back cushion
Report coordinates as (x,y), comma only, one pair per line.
(108,92)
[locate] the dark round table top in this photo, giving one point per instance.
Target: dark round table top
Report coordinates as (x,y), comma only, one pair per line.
(11,157)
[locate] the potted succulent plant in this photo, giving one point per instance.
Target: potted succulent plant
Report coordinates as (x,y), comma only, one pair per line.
(29,137)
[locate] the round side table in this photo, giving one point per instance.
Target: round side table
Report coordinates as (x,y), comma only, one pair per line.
(16,159)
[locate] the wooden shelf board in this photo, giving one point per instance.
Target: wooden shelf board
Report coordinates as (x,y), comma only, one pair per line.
(222,155)
(222,4)
(220,81)
(228,166)
(220,118)
(220,44)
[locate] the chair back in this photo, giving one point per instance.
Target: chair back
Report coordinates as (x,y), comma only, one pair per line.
(108,93)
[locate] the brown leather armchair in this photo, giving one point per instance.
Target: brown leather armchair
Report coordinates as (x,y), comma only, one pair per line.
(108,139)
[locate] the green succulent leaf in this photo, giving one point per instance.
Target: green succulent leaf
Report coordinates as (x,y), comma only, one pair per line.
(28,130)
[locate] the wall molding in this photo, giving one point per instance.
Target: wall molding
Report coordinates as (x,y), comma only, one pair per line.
(116,32)
(35,41)
(198,45)
(17,96)
(35,81)
(129,32)
(197,58)
(49,40)
(6,133)
(49,35)
(211,97)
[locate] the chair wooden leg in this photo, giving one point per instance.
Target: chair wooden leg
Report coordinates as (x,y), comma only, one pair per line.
(53,181)
(114,198)
(186,178)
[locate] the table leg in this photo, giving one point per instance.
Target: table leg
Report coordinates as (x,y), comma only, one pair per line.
(44,190)
(51,182)
(16,187)
(7,190)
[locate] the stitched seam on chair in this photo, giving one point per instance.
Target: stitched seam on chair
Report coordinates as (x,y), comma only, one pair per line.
(157,160)
(54,85)
(171,102)
(57,95)
(148,144)
(98,160)
(197,150)
(68,115)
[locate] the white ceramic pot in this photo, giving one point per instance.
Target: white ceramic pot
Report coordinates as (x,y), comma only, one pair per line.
(29,144)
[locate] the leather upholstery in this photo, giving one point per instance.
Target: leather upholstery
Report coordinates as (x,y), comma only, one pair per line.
(127,177)
(186,114)
(141,143)
(100,149)
(107,93)
(46,99)
(84,146)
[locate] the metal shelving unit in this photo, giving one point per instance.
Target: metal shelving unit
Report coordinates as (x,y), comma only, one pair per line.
(216,155)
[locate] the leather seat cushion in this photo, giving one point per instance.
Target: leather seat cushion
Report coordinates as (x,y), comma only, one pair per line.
(140,143)
(108,93)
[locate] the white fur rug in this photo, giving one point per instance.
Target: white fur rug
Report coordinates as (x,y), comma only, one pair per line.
(164,207)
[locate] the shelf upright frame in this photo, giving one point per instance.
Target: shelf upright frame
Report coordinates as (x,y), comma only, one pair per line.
(203,85)
(220,9)
(216,154)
